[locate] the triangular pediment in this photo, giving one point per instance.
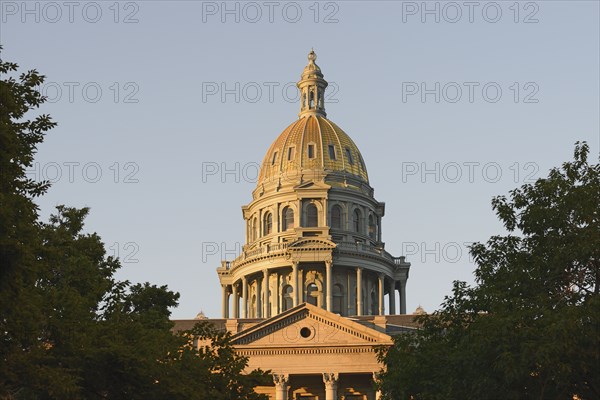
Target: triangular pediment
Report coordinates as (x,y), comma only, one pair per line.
(309,326)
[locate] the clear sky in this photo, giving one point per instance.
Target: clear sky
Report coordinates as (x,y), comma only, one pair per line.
(165,109)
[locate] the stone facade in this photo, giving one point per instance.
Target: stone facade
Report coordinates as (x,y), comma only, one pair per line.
(314,354)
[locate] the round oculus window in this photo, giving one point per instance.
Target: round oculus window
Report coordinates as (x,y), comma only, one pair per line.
(305,332)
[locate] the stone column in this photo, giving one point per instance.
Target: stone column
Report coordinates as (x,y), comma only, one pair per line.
(258,311)
(331,381)
(377,391)
(244,297)
(265,287)
(368,300)
(403,296)
(295,283)
(236,301)
(224,302)
(392,297)
(328,279)
(281,386)
(277,296)
(380,297)
(359,305)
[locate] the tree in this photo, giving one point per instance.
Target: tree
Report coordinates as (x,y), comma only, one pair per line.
(68,328)
(530,327)
(20,303)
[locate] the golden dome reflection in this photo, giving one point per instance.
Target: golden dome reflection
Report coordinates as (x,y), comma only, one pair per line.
(313,148)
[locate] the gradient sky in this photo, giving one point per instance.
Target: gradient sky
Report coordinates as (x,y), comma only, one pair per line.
(137,90)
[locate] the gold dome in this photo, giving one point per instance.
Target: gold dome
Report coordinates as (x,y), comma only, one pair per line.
(313,146)
(309,146)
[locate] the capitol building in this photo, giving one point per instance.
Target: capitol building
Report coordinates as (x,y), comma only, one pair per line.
(313,290)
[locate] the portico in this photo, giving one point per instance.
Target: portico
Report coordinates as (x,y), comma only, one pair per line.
(313,354)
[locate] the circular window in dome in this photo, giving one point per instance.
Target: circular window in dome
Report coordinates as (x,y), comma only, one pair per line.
(305,332)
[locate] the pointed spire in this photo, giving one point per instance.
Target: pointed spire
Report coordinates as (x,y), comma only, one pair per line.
(312,88)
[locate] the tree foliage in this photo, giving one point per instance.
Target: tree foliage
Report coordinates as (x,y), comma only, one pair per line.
(530,327)
(68,328)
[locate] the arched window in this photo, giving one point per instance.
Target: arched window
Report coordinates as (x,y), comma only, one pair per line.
(288,219)
(288,302)
(312,292)
(372,227)
(267,224)
(338,299)
(336,217)
(356,220)
(312,215)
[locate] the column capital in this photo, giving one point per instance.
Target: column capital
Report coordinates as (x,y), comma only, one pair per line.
(330,379)
(281,380)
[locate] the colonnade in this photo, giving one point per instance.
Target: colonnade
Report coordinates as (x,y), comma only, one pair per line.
(330,381)
(262,299)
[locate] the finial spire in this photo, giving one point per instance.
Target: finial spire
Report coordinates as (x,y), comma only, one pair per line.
(312,88)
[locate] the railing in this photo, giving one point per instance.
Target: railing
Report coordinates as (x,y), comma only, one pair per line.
(399,260)
(226,264)
(266,249)
(363,248)
(370,249)
(253,253)
(341,246)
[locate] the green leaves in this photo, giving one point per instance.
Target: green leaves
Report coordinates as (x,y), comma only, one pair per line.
(530,329)
(68,328)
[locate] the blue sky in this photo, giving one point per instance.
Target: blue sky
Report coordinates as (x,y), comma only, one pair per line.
(166,108)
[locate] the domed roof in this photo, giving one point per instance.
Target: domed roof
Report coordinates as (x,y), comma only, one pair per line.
(312,143)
